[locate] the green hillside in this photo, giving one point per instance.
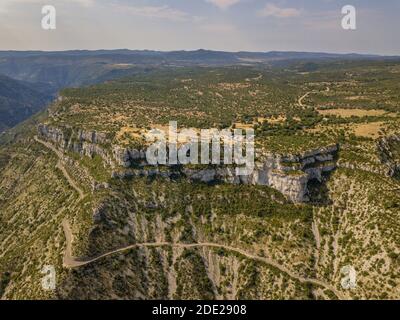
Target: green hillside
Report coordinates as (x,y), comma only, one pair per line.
(18,101)
(116,230)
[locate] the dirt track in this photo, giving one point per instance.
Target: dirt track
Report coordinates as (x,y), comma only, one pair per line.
(69,261)
(72,262)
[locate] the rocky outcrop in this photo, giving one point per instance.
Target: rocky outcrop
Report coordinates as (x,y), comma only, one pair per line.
(290,174)
(126,157)
(54,135)
(88,143)
(287,173)
(91,143)
(389,153)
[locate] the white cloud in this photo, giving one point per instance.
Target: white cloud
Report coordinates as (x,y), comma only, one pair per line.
(218,28)
(223,4)
(161,12)
(84,3)
(271,10)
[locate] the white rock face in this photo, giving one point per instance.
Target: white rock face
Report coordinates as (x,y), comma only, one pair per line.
(52,134)
(385,148)
(288,173)
(293,187)
(86,143)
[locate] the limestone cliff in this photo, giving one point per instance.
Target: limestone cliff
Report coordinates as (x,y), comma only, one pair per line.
(287,173)
(389,152)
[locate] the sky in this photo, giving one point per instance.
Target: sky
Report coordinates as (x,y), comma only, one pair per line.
(228,25)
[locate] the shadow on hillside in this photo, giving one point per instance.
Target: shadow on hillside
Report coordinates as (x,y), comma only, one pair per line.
(319,192)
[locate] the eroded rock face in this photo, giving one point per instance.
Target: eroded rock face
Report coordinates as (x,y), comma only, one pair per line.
(288,173)
(52,134)
(92,136)
(126,157)
(389,151)
(88,143)
(293,187)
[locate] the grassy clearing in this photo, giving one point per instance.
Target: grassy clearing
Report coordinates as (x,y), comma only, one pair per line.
(348,113)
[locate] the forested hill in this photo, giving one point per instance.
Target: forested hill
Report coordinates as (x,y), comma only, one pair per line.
(45,73)
(19,100)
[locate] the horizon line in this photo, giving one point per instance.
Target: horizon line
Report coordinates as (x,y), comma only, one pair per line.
(200,49)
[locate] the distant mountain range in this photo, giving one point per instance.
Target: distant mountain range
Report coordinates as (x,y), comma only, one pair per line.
(43,74)
(76,68)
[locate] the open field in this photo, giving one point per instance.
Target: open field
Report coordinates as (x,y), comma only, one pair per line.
(347,113)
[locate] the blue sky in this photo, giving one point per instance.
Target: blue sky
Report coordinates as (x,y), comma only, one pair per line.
(231,25)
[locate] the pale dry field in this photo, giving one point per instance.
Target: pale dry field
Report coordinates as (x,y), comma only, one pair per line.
(368,130)
(347,113)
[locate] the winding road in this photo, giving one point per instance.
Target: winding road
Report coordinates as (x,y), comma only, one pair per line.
(62,168)
(69,261)
(300,101)
(72,262)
